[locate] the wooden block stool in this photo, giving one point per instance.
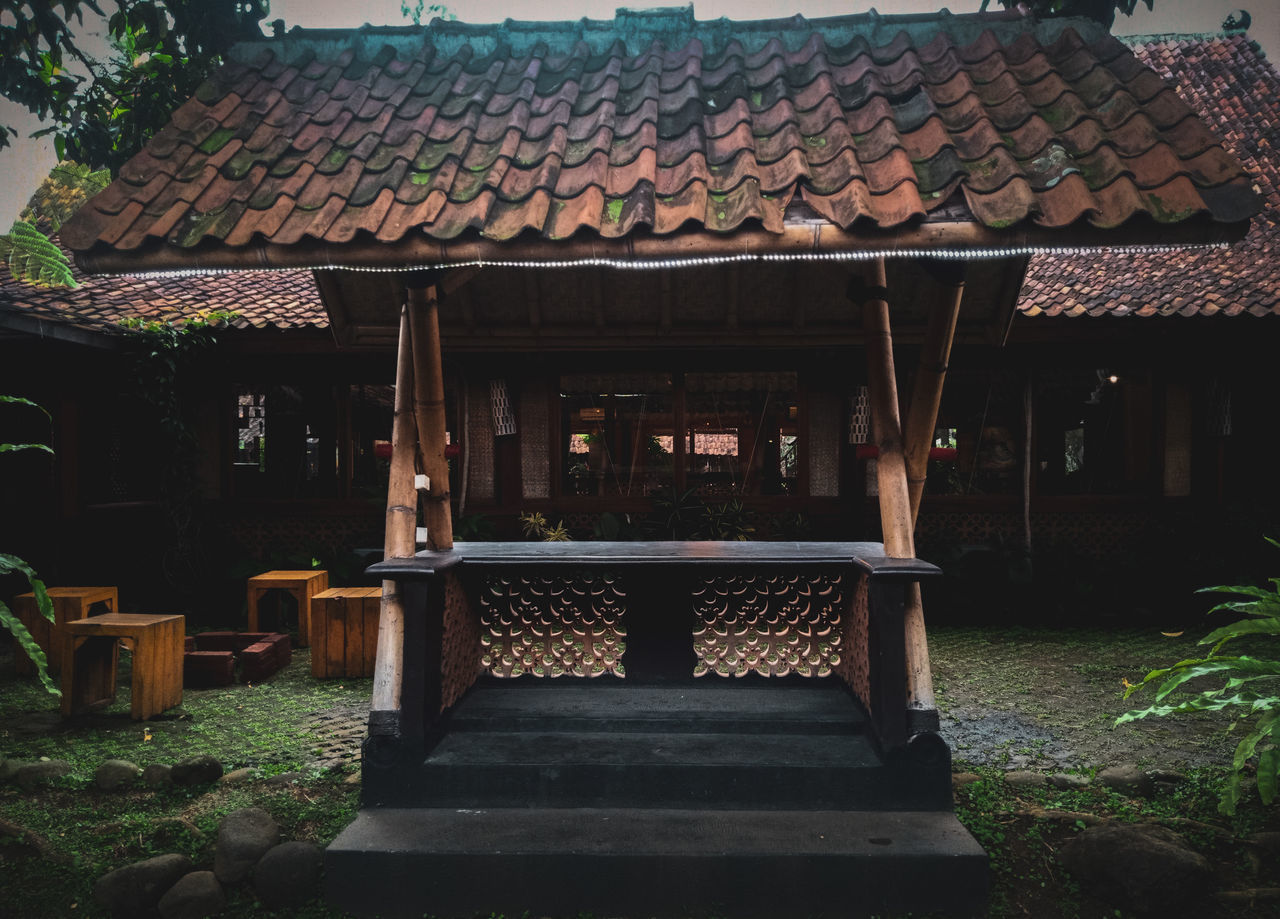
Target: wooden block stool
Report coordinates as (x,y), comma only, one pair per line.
(303,585)
(90,650)
(69,605)
(344,631)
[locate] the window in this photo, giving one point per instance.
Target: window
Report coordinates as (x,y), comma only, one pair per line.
(618,434)
(742,433)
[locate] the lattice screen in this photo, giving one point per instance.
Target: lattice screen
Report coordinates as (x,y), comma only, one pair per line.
(860,418)
(552,626)
(504,416)
(479,441)
(824,445)
(535,451)
(770,625)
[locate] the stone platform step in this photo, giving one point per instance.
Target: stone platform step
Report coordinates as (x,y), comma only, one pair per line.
(671,769)
(703,745)
(703,707)
(661,863)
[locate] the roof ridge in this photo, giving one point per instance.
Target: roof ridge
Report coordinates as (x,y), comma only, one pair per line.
(674,27)
(1151,38)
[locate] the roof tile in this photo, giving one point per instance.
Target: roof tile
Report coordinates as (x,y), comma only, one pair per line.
(1227,81)
(559,137)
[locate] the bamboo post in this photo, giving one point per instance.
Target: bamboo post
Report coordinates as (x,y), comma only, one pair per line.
(926,394)
(891,473)
(428,408)
(399,542)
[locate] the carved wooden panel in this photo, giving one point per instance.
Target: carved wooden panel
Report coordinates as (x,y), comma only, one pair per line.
(461,645)
(772,625)
(854,667)
(569,625)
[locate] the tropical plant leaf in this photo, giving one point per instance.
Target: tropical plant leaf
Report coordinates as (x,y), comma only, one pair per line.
(1268,773)
(28,644)
(1249,743)
(14,448)
(1260,608)
(18,400)
(1241,590)
(34,259)
(1219,637)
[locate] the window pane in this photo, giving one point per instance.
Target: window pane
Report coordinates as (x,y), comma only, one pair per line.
(618,434)
(742,433)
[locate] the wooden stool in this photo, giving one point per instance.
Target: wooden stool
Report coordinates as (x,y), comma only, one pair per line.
(69,604)
(90,651)
(344,631)
(302,584)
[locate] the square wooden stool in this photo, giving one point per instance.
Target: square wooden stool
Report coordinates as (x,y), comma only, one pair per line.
(303,585)
(69,604)
(90,651)
(344,631)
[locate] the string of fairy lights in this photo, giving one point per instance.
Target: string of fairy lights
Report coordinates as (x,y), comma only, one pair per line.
(701,261)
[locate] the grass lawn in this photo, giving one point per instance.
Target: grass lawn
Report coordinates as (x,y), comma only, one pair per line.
(1037,699)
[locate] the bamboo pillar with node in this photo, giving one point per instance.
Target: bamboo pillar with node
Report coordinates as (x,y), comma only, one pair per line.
(896,520)
(429,410)
(931,373)
(399,542)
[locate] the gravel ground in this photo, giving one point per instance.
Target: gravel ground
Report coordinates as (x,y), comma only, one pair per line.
(1048,699)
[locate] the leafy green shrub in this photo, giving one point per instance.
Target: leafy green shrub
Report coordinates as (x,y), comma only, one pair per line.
(1250,688)
(11,564)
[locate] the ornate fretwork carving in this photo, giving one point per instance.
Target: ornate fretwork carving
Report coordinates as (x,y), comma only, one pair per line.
(854,667)
(460,657)
(552,626)
(771,625)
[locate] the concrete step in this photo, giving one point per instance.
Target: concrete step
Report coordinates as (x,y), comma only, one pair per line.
(672,770)
(675,862)
(704,707)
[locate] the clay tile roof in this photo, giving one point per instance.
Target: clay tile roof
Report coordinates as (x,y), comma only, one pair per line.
(1229,83)
(655,122)
(264,299)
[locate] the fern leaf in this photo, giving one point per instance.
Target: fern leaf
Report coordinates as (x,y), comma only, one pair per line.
(34,259)
(19,631)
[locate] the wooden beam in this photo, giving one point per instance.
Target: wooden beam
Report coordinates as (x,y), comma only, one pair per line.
(398,542)
(926,394)
(891,471)
(456,278)
(802,239)
(428,407)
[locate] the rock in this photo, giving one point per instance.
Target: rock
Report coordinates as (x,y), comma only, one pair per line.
(115,774)
(288,875)
(284,778)
(961,779)
(239,776)
(1267,840)
(195,896)
(135,889)
(1019,778)
(354,779)
(243,837)
(1066,780)
(157,775)
(197,770)
(1167,776)
(1127,779)
(29,775)
(8,767)
(1144,867)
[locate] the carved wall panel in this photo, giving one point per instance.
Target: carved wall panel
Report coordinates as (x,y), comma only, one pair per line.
(771,625)
(461,644)
(567,625)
